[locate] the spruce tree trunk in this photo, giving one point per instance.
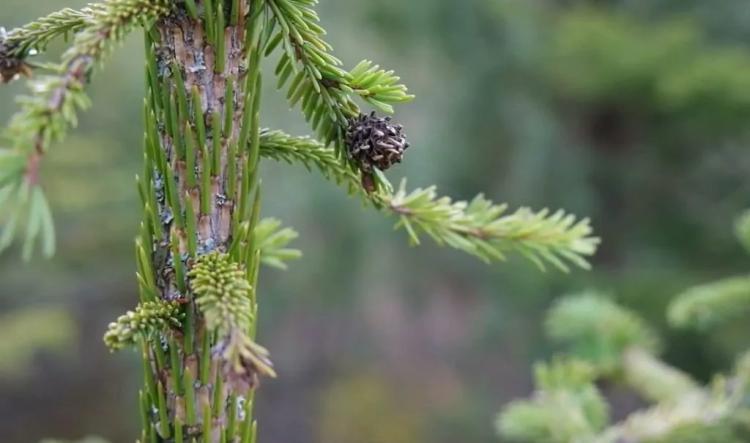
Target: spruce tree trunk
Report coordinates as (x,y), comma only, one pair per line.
(198,179)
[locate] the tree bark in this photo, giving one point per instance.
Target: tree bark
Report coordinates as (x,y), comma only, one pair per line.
(197,185)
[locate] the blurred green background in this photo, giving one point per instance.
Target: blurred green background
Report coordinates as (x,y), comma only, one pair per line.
(634,113)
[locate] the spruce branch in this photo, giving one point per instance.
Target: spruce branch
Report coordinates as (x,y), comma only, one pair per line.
(46,114)
(485,229)
(702,416)
(565,408)
(480,227)
(598,330)
(618,343)
(324,89)
(311,153)
(36,35)
(148,317)
(654,379)
(317,74)
(701,421)
(707,305)
(378,87)
(272,241)
(316,80)
(683,411)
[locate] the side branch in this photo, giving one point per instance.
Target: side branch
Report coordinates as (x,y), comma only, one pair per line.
(46,115)
(311,153)
(480,227)
(708,305)
(700,415)
(486,230)
(36,35)
(316,79)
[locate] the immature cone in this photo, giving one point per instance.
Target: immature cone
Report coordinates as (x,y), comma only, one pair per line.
(375,142)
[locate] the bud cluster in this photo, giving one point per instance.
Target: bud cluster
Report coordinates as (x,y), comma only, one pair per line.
(147,317)
(222,291)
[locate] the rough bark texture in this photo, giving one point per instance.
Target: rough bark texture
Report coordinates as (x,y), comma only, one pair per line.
(195,396)
(183,46)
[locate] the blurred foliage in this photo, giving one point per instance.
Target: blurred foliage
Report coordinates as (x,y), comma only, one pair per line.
(711,304)
(85,440)
(357,409)
(567,406)
(629,111)
(28,331)
(620,346)
(668,70)
(598,329)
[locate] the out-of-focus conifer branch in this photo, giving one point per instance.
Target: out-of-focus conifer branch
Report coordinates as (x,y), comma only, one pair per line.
(51,109)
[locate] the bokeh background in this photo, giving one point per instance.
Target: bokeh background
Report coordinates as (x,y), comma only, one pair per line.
(635,113)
